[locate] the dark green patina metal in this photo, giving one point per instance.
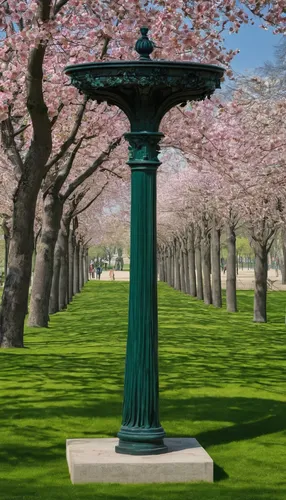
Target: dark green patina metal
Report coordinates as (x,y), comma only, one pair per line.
(144,46)
(145,90)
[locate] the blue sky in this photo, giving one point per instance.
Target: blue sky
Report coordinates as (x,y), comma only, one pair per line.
(256,47)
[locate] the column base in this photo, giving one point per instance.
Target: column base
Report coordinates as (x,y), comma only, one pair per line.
(138,441)
(95,461)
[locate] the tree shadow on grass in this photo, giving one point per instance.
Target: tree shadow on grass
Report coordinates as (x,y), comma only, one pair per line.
(70,382)
(246,419)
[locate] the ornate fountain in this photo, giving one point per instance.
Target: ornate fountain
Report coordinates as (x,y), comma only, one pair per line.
(144,90)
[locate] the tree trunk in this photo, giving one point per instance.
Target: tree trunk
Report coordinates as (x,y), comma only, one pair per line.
(164,264)
(182,267)
(86,265)
(7,236)
(63,283)
(36,243)
(83,265)
(64,272)
(16,287)
(231,270)
(186,269)
(159,264)
(163,260)
(55,288)
(7,245)
(207,290)
(75,272)
(177,266)
(192,263)
(43,272)
(172,264)
(71,263)
(168,266)
(283,267)
(216,272)
(198,261)
(260,290)
(80,273)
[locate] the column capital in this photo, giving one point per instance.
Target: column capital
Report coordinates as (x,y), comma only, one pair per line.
(144,149)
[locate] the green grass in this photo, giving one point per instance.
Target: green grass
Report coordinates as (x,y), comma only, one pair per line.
(221,380)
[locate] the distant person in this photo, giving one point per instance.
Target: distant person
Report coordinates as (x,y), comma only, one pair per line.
(112,274)
(277,267)
(98,272)
(91,270)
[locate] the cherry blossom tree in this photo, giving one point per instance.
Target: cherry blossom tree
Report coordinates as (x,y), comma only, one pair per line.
(244,142)
(62,180)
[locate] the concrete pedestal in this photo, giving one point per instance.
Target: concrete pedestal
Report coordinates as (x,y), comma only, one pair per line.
(95,461)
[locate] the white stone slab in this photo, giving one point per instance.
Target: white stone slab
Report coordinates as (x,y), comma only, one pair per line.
(95,461)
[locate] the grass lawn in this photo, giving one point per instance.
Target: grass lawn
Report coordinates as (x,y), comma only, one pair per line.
(221,381)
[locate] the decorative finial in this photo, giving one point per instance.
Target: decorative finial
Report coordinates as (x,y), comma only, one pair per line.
(144,46)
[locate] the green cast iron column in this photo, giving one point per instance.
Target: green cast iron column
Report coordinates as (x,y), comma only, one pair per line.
(141,432)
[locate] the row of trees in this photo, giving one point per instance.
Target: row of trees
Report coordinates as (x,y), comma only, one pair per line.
(191,263)
(231,175)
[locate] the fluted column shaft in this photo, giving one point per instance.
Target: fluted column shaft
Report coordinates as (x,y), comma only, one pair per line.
(141,432)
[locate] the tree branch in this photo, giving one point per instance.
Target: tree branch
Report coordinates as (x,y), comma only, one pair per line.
(21,129)
(104,169)
(105,47)
(86,242)
(85,175)
(69,141)
(9,145)
(91,201)
(64,172)
(77,198)
(41,144)
(44,9)
(54,119)
(59,5)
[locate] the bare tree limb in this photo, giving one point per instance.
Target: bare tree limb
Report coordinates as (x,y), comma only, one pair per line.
(104,169)
(77,198)
(105,47)
(21,129)
(91,201)
(44,9)
(54,119)
(86,242)
(59,5)
(64,172)
(10,147)
(89,171)
(69,141)
(41,143)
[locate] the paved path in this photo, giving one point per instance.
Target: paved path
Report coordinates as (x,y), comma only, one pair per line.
(245,279)
(119,276)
